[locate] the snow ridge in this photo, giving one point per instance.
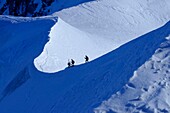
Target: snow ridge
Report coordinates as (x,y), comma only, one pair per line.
(81,88)
(110,78)
(98,27)
(137,71)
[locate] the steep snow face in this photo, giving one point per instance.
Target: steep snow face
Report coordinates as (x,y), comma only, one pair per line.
(79,89)
(97,27)
(21,40)
(68,43)
(147,90)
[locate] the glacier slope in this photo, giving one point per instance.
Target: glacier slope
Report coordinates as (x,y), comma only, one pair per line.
(78,89)
(95,28)
(68,43)
(147,90)
(21,39)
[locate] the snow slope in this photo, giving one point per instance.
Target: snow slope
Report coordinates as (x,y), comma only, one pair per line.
(95,28)
(147,90)
(118,19)
(67,43)
(74,90)
(21,40)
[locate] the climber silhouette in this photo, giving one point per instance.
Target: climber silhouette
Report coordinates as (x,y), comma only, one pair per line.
(86,58)
(72,62)
(69,63)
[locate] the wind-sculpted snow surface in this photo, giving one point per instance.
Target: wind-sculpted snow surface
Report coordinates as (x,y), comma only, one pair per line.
(118,19)
(79,89)
(98,27)
(148,89)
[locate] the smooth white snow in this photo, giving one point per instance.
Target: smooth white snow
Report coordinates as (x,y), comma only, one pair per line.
(95,28)
(68,43)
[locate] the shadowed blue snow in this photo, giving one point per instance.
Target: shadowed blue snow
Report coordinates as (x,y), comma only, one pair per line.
(21,41)
(75,90)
